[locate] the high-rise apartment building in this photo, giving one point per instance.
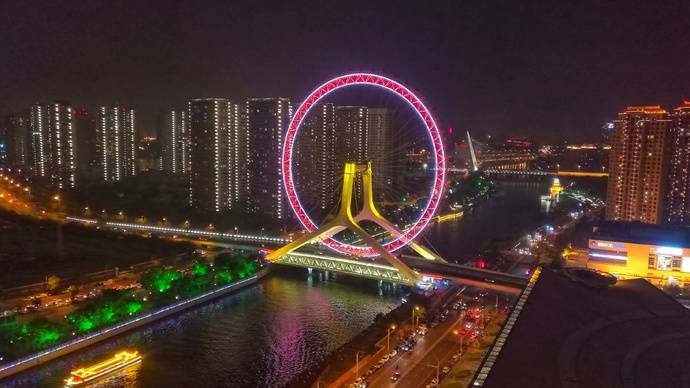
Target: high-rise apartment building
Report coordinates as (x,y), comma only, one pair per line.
(53,143)
(39,139)
(174,142)
(638,164)
(63,150)
(352,140)
(116,131)
(215,154)
(380,145)
(266,120)
(18,140)
(678,195)
(314,163)
(87,144)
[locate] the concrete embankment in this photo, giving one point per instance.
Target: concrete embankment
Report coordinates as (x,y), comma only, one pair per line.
(93,338)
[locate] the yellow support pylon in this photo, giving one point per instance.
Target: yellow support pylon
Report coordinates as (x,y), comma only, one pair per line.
(344,220)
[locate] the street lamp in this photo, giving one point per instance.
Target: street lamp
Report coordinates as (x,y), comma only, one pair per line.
(416,308)
(357,365)
(388,339)
(462,338)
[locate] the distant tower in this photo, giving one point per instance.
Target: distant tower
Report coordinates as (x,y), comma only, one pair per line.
(475,167)
(556,189)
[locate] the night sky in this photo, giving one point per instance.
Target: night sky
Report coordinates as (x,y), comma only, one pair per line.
(554,68)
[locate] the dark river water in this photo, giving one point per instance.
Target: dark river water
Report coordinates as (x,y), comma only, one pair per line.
(513,209)
(266,334)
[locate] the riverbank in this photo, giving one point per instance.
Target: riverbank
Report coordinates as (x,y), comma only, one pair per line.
(93,338)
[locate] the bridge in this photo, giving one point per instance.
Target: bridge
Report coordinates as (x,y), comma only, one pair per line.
(495,171)
(367,268)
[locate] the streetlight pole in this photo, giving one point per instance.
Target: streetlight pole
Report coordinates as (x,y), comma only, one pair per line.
(357,365)
(413,323)
(388,339)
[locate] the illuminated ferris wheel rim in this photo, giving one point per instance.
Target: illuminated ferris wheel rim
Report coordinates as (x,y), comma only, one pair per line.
(431,129)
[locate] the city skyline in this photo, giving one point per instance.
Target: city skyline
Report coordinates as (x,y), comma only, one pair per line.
(345,194)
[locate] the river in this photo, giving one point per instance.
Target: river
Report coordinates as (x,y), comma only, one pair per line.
(513,209)
(266,334)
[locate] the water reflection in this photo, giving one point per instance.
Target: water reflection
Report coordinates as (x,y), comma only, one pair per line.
(261,336)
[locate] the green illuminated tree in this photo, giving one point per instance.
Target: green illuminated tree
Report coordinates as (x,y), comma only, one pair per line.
(199,268)
(159,279)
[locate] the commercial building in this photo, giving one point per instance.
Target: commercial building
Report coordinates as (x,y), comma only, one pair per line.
(660,254)
(17,141)
(638,164)
(174,142)
(215,171)
(267,119)
(116,130)
(678,195)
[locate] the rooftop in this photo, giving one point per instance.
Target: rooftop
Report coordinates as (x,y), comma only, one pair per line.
(570,334)
(636,232)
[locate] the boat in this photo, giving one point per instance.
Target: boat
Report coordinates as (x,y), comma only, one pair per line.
(120,361)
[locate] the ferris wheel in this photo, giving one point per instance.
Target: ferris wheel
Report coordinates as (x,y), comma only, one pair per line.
(401,238)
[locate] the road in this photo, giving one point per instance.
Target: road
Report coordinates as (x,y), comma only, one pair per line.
(413,367)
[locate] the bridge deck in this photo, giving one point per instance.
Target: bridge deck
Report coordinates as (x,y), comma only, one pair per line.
(372,270)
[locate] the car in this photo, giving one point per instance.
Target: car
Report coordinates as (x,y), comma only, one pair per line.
(385,358)
(474,313)
(393,353)
(445,370)
(395,376)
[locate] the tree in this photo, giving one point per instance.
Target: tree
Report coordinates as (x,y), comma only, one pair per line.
(72,291)
(159,279)
(52,283)
(199,268)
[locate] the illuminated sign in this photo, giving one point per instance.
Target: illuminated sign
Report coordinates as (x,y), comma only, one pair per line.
(608,256)
(668,251)
(605,244)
